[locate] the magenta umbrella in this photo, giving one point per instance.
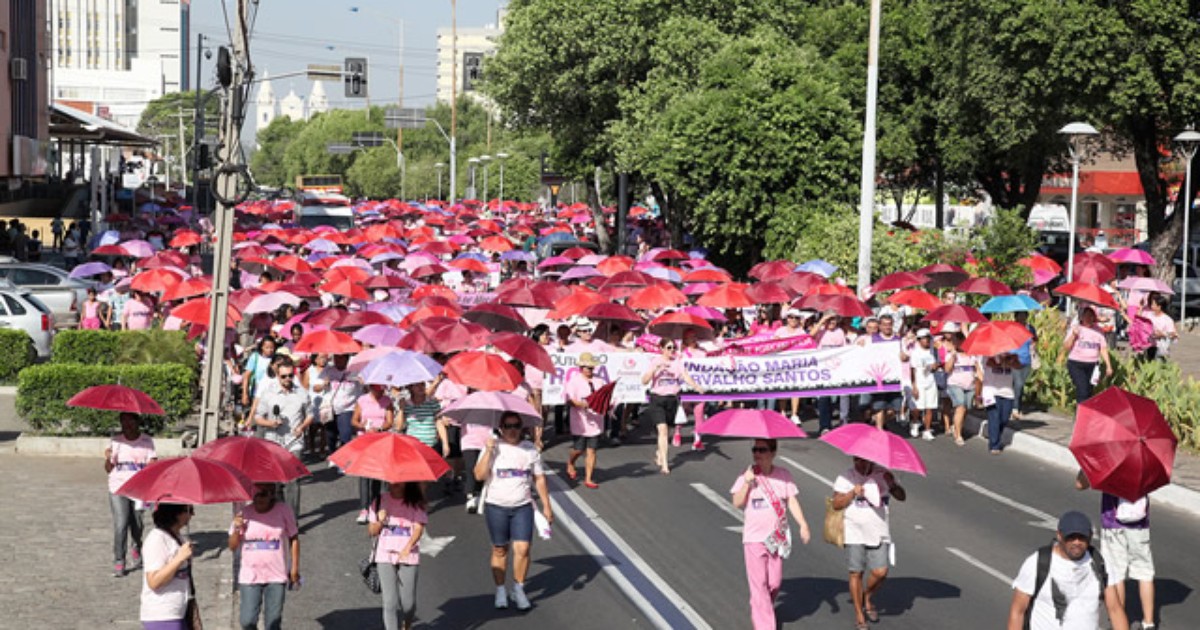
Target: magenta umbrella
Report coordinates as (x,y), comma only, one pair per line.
(876,445)
(1131,256)
(763,424)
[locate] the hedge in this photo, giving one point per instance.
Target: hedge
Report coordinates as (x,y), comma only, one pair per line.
(16,352)
(114,347)
(1178,396)
(43,390)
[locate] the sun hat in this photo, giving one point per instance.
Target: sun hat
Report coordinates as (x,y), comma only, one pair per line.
(587,359)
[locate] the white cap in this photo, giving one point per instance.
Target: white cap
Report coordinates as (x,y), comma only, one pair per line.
(924,332)
(585,325)
(793,312)
(951,327)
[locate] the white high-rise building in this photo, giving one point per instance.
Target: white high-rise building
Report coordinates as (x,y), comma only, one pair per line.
(118,55)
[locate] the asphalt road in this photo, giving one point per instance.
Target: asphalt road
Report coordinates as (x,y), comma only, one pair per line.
(960,538)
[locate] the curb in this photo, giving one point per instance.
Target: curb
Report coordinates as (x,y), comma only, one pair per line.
(86,446)
(8,390)
(1058,455)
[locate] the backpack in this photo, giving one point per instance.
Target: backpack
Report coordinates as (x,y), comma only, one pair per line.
(1044,555)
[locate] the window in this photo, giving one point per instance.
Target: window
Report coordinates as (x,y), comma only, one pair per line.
(32,277)
(14,307)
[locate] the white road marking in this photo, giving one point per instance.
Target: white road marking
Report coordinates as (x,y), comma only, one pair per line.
(806,470)
(433,545)
(979,564)
(722,503)
(1045,521)
(561,492)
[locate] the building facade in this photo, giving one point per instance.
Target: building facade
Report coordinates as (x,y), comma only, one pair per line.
(118,54)
(24,111)
(473,46)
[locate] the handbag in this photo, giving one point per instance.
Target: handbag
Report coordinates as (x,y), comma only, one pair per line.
(835,524)
(191,618)
(367,567)
(325,409)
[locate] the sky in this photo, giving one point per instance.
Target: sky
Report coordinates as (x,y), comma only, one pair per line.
(290,34)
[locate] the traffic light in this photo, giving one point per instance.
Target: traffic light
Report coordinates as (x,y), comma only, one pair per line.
(355,76)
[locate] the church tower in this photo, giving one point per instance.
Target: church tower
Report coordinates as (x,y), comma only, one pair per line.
(317,102)
(292,106)
(265,104)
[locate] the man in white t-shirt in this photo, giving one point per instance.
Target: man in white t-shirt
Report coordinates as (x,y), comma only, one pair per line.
(864,492)
(1070,594)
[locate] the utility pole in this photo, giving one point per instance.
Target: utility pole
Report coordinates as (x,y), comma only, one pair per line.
(400,103)
(866,210)
(198,125)
(453,100)
(182,150)
(227,177)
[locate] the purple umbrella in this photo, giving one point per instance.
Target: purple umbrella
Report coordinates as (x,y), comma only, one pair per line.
(393,310)
(90,269)
(385,256)
(516,254)
(323,245)
(400,368)
(1133,283)
(138,248)
(379,335)
(591,260)
(664,273)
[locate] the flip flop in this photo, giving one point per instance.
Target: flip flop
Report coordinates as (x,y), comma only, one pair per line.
(872,614)
(591,485)
(572,474)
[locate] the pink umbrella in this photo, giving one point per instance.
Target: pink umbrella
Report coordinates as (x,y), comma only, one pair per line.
(698,288)
(379,335)
(556,261)
(882,447)
(752,423)
(487,407)
(360,360)
(270,302)
(1131,256)
(138,248)
(1147,285)
(705,312)
(591,260)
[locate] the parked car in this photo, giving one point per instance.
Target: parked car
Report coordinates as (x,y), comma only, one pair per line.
(21,310)
(63,294)
(1193,288)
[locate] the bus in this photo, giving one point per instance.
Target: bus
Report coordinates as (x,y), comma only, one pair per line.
(323,208)
(319,183)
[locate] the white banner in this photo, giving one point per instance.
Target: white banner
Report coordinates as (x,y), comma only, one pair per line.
(626,368)
(826,372)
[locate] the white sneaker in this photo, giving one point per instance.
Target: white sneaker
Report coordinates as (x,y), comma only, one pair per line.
(471,507)
(362,517)
(501,597)
(914,429)
(927,436)
(518,595)
(795,419)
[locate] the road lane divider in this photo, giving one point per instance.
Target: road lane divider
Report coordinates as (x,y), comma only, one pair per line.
(806,470)
(723,503)
(979,564)
(664,607)
(1045,521)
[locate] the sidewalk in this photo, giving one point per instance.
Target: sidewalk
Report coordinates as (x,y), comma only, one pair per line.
(56,546)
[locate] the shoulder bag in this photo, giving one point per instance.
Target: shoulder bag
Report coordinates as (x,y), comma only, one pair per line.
(835,524)
(367,567)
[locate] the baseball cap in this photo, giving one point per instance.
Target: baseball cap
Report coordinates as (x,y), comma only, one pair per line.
(950,327)
(585,325)
(793,312)
(1074,523)
(924,332)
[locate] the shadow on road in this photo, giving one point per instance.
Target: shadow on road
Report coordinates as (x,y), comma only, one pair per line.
(313,518)
(1167,592)
(802,597)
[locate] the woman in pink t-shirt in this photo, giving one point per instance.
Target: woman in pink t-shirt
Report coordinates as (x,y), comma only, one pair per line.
(665,378)
(1082,351)
(269,540)
(127,453)
(137,314)
(766,495)
(399,522)
(372,414)
(586,425)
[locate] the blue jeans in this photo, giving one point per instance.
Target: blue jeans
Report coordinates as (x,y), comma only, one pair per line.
(997,415)
(825,412)
(256,597)
(1020,376)
(1081,377)
(126,522)
(345,430)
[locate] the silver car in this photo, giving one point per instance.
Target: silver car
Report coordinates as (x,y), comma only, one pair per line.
(21,310)
(53,286)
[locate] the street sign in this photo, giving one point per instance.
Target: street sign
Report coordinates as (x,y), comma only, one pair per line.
(340,149)
(324,72)
(367,138)
(404,118)
(356,77)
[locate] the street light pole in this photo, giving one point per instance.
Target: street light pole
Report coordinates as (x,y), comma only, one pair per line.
(501,157)
(1076,134)
(439,166)
(453,100)
(486,159)
(866,202)
(1189,141)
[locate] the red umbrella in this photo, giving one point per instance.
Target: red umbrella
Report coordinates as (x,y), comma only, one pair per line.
(916,298)
(188,480)
(730,295)
(261,460)
(291,263)
(116,398)
(576,303)
(469,264)
(327,342)
(670,254)
(1038,262)
(453,337)
(942,275)
(495,244)
(430,290)
(183,238)
(1088,293)
(385,282)
(425,271)
(984,286)
(601,400)
(674,325)
(801,282)
(706,275)
(426,312)
(197,311)
(349,320)
(826,288)
(613,265)
(656,297)
(483,371)
(390,457)
(522,296)
(772,270)
(612,312)
(1093,268)
(523,349)
(769,293)
(188,288)
(994,338)
(164,259)
(899,280)
(955,313)
(1123,444)
(549,293)
(844,305)
(156,280)
(497,317)
(347,288)
(575,253)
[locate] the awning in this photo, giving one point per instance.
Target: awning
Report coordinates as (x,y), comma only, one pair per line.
(68,123)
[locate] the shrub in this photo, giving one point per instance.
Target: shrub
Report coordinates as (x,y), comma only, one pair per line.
(16,352)
(89,347)
(131,347)
(1178,397)
(43,390)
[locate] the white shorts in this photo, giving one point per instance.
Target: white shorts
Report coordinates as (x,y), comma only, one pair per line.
(1127,553)
(928,399)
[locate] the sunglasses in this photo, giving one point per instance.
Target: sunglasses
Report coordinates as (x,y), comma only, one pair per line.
(668,347)
(287,375)
(509,425)
(759,449)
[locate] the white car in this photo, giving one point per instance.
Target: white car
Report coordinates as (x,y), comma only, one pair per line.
(20,310)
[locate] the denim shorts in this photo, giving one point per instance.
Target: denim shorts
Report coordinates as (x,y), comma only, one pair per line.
(506,524)
(960,397)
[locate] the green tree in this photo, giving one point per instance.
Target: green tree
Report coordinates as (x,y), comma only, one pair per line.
(267,161)
(374,173)
(1001,243)
(162,115)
